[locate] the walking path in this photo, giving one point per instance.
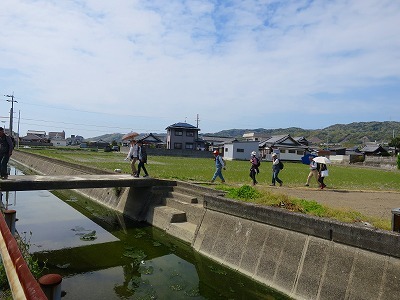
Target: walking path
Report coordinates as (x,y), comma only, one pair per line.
(369,203)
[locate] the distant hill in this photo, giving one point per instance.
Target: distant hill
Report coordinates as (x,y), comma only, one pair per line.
(107,137)
(345,134)
(116,137)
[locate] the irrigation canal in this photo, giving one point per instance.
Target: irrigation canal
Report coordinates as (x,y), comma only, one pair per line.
(102,255)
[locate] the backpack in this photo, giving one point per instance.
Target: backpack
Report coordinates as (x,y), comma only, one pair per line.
(144,154)
(281,165)
(223,161)
(258,162)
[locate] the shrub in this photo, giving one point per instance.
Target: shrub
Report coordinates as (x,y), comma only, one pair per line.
(244,192)
(398,161)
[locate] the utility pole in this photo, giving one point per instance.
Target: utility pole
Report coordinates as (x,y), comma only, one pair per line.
(19,118)
(11,111)
(197,121)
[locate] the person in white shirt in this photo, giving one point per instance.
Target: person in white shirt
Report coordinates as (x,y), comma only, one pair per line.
(275,170)
(133,156)
(313,171)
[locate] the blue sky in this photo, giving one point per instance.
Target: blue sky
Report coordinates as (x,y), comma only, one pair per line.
(95,67)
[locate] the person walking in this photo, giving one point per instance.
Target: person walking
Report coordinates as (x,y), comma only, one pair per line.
(6,149)
(322,173)
(255,163)
(219,165)
(275,170)
(133,156)
(142,155)
(313,171)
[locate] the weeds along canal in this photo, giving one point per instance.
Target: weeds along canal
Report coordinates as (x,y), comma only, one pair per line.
(103,255)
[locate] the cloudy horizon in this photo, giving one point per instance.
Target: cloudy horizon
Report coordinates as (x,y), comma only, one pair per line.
(96,67)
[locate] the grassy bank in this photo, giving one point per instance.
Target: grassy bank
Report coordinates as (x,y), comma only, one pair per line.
(236,173)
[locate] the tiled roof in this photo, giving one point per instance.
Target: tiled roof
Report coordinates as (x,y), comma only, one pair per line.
(182,125)
(148,137)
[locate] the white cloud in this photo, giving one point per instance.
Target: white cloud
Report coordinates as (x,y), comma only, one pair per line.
(168,62)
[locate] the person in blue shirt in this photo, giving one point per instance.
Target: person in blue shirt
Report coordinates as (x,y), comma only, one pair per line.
(219,165)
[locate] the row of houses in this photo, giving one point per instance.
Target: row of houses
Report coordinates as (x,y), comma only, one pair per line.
(55,138)
(184,136)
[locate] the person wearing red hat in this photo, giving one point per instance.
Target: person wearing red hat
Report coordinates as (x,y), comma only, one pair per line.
(219,165)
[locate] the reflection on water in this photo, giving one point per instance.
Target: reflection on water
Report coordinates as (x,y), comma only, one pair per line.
(103,255)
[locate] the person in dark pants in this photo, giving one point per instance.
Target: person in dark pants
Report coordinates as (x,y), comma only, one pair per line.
(6,148)
(275,170)
(322,173)
(255,163)
(142,159)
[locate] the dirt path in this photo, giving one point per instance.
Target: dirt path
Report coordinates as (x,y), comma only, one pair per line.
(369,203)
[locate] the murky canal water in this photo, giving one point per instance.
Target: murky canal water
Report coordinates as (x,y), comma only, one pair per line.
(102,255)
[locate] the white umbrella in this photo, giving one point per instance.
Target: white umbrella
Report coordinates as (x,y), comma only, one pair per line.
(322,160)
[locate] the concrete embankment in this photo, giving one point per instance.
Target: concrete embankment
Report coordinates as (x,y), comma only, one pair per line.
(304,257)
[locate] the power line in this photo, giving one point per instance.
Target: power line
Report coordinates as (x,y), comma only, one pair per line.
(87,111)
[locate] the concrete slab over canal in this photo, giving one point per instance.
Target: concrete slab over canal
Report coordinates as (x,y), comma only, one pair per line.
(60,182)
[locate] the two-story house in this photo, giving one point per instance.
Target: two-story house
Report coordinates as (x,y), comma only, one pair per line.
(183,136)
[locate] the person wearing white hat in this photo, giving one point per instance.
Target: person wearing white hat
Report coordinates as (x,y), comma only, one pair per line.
(255,163)
(275,170)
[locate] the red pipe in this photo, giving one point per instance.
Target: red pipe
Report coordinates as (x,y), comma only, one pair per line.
(31,287)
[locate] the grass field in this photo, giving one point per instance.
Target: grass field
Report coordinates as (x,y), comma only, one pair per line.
(200,170)
(236,173)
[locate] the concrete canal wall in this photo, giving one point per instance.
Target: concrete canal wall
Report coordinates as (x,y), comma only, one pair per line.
(302,256)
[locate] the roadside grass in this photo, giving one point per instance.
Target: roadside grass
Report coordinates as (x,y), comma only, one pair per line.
(263,196)
(200,170)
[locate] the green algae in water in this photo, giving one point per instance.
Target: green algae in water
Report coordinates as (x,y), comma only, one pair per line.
(137,255)
(216,270)
(215,282)
(91,236)
(140,233)
(192,292)
(146,270)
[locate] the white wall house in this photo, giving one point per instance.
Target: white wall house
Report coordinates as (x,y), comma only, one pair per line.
(283,145)
(240,150)
(58,142)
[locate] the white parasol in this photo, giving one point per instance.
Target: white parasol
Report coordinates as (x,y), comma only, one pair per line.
(322,160)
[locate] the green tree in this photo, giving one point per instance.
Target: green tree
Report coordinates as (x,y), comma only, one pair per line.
(395,142)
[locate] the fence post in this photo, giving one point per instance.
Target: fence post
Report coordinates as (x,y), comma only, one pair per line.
(51,286)
(10,217)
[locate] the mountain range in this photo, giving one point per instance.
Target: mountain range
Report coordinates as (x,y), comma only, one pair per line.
(345,134)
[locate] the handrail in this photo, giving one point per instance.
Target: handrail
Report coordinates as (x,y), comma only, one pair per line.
(22,283)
